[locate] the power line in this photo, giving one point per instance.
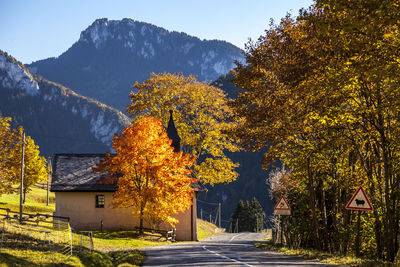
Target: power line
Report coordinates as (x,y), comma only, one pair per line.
(69,139)
(210,203)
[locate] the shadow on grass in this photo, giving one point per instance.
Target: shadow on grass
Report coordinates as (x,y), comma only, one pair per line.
(312,254)
(108,235)
(115,258)
(11,260)
(115,234)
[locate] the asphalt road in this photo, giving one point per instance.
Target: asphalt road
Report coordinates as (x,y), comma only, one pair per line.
(223,250)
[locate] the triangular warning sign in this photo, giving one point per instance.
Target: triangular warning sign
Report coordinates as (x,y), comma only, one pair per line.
(282,204)
(359,201)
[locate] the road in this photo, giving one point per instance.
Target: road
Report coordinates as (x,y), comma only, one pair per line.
(223,250)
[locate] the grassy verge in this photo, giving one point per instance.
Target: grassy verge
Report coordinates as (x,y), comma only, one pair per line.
(206,229)
(40,258)
(113,240)
(320,255)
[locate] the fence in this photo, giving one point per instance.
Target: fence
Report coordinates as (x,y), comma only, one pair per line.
(168,234)
(41,232)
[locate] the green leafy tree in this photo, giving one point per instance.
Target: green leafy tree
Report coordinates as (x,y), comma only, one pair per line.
(258,215)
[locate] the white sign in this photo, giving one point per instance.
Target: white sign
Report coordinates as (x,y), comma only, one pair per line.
(359,201)
(282,207)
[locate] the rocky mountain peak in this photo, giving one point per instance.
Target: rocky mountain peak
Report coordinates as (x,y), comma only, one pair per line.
(111,55)
(40,105)
(15,75)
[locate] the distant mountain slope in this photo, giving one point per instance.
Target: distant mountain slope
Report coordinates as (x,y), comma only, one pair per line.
(112,54)
(56,117)
(252,178)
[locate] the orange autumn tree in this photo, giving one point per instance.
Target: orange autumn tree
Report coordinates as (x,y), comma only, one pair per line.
(151,177)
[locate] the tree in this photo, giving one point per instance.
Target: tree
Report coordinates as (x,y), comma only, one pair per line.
(234,221)
(7,146)
(258,215)
(247,216)
(35,169)
(10,160)
(151,177)
(202,117)
(322,93)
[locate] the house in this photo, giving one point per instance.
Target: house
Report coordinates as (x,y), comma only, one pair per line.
(88,203)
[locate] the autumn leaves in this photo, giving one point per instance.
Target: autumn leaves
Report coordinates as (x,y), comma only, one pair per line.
(322,93)
(10,160)
(153,178)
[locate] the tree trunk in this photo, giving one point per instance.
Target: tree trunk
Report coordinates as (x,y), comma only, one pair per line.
(141,221)
(311,191)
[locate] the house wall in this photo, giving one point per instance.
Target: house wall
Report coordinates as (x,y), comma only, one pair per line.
(80,208)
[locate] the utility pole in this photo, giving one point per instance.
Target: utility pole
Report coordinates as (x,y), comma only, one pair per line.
(237,225)
(201,214)
(210,217)
(21,191)
(219,214)
(48,176)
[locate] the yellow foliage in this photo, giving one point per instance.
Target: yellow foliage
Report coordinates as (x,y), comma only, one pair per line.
(201,117)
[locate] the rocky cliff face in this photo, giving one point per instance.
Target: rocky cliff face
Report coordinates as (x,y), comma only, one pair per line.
(111,55)
(59,119)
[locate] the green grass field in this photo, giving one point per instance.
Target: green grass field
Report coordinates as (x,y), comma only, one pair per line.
(35,201)
(107,244)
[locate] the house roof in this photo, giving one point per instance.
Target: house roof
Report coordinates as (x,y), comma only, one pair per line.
(74,173)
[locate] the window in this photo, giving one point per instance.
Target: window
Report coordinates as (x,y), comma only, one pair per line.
(100,201)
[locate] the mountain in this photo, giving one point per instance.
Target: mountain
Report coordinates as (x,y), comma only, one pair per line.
(111,55)
(57,118)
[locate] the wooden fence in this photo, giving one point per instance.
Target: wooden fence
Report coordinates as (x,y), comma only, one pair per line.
(168,234)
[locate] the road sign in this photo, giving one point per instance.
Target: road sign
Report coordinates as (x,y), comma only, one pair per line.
(282,207)
(359,201)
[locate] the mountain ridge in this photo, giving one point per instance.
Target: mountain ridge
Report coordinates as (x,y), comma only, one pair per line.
(111,55)
(51,112)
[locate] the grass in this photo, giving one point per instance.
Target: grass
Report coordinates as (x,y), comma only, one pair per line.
(321,256)
(112,248)
(26,247)
(29,257)
(206,229)
(35,201)
(112,240)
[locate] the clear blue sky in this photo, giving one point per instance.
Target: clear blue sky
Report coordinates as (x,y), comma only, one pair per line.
(36,29)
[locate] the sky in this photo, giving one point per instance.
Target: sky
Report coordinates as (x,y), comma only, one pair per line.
(33,30)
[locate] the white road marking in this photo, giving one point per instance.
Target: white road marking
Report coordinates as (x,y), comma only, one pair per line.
(233,237)
(225,257)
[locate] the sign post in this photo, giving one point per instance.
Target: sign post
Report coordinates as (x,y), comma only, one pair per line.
(359,201)
(281,208)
